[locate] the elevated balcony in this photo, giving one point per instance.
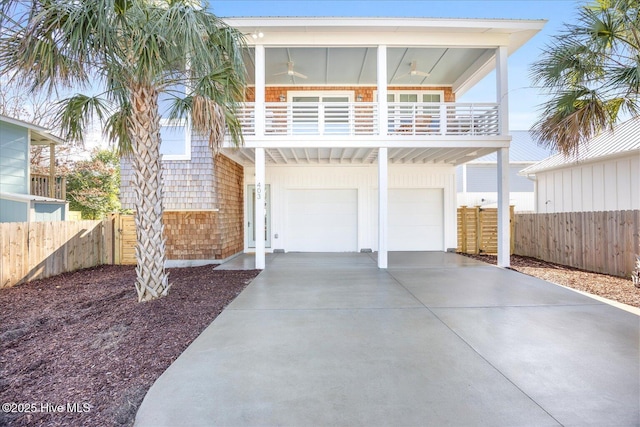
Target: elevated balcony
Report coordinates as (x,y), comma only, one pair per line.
(41,186)
(335,120)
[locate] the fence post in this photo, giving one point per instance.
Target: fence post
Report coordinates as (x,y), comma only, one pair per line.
(512,229)
(478,215)
(117,227)
(463,220)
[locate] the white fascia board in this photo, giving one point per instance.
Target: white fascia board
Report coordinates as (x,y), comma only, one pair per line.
(377,142)
(369,39)
(389,24)
(30,198)
(39,131)
(46,137)
(532,170)
(21,123)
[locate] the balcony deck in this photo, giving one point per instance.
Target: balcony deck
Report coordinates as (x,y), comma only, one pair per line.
(284,120)
(40,186)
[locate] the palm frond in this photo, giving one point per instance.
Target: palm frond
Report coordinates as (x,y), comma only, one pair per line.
(117,130)
(591,71)
(76,112)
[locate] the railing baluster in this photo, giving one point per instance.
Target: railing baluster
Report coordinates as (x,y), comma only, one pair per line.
(362,119)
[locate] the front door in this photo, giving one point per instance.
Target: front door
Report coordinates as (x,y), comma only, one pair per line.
(251,192)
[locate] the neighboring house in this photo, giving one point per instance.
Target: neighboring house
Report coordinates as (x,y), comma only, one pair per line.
(352,135)
(603,176)
(24,198)
(477,180)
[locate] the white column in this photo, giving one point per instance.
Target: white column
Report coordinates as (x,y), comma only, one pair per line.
(258,221)
(502,88)
(383,199)
(502,93)
(383,113)
(260,89)
(504,216)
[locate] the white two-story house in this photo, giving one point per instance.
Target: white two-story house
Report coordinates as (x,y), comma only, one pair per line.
(352,135)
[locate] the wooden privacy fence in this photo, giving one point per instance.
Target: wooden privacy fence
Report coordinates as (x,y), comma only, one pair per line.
(478,230)
(603,242)
(125,239)
(35,250)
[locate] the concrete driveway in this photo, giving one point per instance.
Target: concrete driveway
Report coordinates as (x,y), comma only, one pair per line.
(437,339)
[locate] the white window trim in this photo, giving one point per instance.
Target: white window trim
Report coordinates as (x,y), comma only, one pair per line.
(411,92)
(320,93)
(187,138)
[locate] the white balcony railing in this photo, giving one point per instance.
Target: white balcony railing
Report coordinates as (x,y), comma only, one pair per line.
(361,118)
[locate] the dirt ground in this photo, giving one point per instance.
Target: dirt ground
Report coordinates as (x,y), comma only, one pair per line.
(611,287)
(79,350)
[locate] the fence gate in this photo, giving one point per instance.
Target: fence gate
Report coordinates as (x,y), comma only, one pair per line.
(125,246)
(478,230)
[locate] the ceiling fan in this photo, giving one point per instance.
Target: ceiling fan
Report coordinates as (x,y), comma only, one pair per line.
(414,71)
(291,72)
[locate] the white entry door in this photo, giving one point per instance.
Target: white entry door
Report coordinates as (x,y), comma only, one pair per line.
(322,220)
(416,219)
(251,208)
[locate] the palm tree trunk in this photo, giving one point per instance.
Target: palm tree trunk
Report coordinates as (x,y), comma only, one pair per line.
(152,280)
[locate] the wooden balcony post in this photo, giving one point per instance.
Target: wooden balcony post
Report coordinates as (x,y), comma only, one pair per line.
(52,171)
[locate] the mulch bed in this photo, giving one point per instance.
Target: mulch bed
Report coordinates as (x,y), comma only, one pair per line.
(614,288)
(81,340)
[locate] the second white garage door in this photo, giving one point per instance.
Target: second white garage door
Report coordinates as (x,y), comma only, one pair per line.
(322,220)
(416,219)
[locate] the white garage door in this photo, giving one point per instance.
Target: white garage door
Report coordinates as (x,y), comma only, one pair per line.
(416,219)
(322,220)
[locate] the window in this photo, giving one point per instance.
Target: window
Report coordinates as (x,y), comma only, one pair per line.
(415,96)
(330,118)
(175,134)
(420,115)
(176,140)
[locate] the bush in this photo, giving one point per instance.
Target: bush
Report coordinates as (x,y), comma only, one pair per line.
(93,185)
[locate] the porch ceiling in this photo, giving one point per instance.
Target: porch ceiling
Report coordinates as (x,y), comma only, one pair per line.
(343,66)
(356,156)
(342,51)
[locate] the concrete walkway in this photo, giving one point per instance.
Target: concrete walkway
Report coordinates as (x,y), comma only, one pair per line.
(437,339)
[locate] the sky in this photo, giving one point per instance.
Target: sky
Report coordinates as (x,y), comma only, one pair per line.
(524,100)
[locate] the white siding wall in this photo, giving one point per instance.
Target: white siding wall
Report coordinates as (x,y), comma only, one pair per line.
(365,180)
(609,185)
(522,202)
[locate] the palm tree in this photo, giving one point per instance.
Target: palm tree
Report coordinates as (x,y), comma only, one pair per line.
(591,71)
(131,51)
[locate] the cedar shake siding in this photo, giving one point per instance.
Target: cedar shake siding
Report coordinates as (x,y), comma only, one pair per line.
(188,184)
(198,225)
(231,200)
(192,235)
(272,93)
